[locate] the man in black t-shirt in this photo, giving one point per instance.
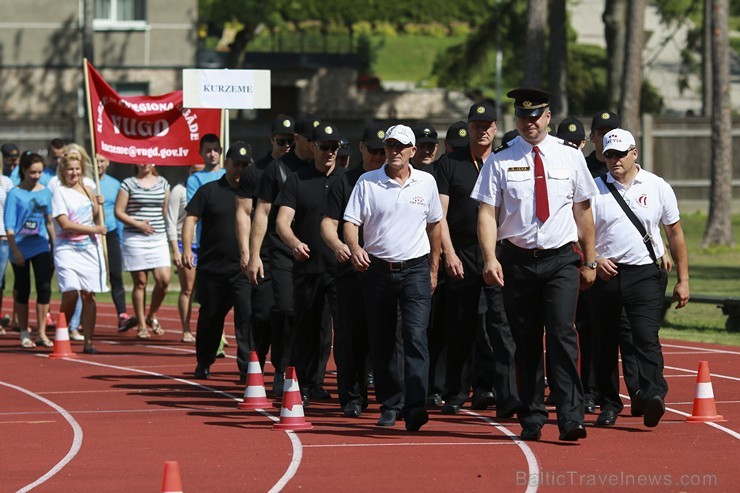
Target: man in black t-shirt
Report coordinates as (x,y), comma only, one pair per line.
(220,283)
(300,203)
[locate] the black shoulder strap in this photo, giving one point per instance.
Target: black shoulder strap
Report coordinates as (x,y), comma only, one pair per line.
(646,238)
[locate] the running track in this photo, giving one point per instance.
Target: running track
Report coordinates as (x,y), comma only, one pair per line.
(108,423)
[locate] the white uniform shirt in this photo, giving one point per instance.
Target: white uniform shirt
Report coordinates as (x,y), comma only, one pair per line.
(394,217)
(507,182)
(653,202)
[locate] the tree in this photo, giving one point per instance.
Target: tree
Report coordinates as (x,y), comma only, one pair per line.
(557,57)
(615,32)
(629,107)
(719,226)
(534,48)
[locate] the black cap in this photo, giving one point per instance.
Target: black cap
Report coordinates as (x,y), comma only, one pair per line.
(343,148)
(8,149)
(373,136)
(326,132)
(239,152)
(482,112)
(509,136)
(607,119)
(529,102)
(457,134)
(425,134)
(282,125)
(305,124)
(571,129)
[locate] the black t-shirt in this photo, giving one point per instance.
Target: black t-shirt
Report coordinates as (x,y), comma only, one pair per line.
(305,192)
(215,204)
(336,202)
(269,188)
(596,167)
(456,175)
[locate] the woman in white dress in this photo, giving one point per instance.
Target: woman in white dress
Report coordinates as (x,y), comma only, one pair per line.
(78,252)
(142,206)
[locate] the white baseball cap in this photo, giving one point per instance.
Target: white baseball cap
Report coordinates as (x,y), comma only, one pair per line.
(401,133)
(618,139)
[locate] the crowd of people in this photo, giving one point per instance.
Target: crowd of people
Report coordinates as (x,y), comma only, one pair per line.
(476,278)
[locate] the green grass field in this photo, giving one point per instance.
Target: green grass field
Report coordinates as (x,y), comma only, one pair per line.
(409,58)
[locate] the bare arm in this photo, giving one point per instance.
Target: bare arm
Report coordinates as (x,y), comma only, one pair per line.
(15,252)
(360,258)
(452,261)
(586,237)
(255,268)
(330,234)
(188,232)
(285,216)
(487,235)
(677,245)
(434,232)
(243,226)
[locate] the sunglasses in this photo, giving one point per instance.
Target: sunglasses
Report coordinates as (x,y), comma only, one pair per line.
(376,152)
(397,145)
(284,142)
(327,147)
(616,154)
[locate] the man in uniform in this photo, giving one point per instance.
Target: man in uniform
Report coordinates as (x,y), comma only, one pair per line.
(601,124)
(456,175)
(426,146)
(456,136)
(281,258)
(351,338)
(300,203)
(399,209)
(343,155)
(629,278)
(281,140)
(534,196)
(571,130)
(221,284)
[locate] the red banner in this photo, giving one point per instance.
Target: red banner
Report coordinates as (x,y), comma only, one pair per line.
(147,129)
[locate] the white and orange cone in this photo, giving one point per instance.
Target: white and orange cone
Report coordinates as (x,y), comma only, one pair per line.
(171,482)
(705,409)
(291,412)
(255,396)
(62,346)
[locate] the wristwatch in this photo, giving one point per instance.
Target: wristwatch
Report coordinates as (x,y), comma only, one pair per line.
(591,265)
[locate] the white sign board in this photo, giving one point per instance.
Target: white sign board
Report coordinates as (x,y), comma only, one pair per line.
(228,89)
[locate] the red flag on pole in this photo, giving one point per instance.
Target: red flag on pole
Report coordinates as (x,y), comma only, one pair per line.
(147,129)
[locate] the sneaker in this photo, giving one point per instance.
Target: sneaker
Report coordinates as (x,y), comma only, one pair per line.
(221,353)
(126,323)
(74,335)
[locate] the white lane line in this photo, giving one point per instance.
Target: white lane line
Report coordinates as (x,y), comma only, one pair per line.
(76,439)
(727,377)
(701,349)
(671,353)
(679,376)
(408,444)
(295,461)
(534,467)
(692,403)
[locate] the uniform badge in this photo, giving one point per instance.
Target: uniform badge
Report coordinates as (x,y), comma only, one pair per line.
(526,104)
(427,132)
(286,123)
(572,127)
(462,132)
(605,116)
(316,123)
(381,134)
(243,151)
(480,110)
(328,130)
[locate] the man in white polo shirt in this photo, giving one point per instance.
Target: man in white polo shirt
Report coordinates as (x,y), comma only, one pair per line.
(399,210)
(628,275)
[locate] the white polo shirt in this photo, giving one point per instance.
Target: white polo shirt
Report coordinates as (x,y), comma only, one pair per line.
(394,217)
(507,182)
(653,202)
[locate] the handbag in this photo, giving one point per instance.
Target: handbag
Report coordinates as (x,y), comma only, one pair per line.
(646,238)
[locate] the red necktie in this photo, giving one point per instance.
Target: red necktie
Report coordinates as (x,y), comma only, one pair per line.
(542,205)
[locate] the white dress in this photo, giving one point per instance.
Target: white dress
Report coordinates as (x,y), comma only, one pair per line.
(78,257)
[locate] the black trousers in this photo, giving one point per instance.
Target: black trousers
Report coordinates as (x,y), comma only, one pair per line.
(43,270)
(312,292)
(262,304)
(351,343)
(541,293)
(217,295)
(401,381)
(637,291)
(115,274)
(281,315)
(437,335)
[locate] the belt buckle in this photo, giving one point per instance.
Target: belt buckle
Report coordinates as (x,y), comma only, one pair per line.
(395,266)
(536,253)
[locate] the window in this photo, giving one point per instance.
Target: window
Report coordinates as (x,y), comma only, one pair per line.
(119,14)
(126,89)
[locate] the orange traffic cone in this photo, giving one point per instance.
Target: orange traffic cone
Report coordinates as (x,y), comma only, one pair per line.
(291,413)
(255,396)
(705,409)
(62,347)
(171,482)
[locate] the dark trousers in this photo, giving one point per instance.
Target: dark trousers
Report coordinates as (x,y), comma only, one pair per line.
(281,315)
(312,291)
(43,270)
(542,293)
(262,304)
(385,291)
(351,343)
(114,271)
(217,295)
(436,334)
(637,290)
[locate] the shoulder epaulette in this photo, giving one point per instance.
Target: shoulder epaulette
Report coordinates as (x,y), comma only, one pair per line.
(569,144)
(501,147)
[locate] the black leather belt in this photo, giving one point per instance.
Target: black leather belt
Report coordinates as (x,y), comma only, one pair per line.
(534,252)
(399,266)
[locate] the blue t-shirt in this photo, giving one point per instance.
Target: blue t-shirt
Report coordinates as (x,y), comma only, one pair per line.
(109,187)
(197,180)
(25,215)
(15,177)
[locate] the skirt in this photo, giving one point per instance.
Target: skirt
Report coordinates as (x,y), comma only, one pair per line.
(81,269)
(141,252)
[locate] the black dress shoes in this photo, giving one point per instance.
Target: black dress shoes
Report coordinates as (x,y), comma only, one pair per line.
(352,410)
(483,400)
(388,417)
(607,417)
(435,400)
(654,410)
(531,433)
(320,393)
(571,431)
(202,372)
(450,408)
(415,418)
(590,406)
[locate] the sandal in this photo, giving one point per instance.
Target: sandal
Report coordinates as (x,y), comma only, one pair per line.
(2,332)
(26,341)
(44,342)
(143,334)
(187,337)
(153,324)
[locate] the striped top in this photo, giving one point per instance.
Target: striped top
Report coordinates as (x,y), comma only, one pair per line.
(145,204)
